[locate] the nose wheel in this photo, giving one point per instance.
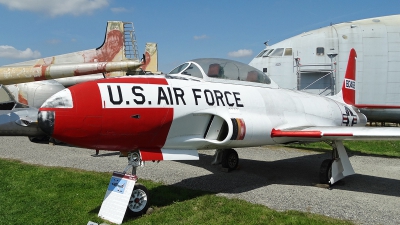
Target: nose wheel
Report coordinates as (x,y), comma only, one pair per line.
(138,203)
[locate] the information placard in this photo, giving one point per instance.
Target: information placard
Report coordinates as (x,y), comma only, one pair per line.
(117,197)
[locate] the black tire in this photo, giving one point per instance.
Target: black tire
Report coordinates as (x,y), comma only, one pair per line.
(325,171)
(54,141)
(230,159)
(139,201)
(40,139)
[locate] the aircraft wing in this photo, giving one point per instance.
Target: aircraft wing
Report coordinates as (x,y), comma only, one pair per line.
(335,133)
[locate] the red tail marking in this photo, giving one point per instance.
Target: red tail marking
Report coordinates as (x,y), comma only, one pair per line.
(348,87)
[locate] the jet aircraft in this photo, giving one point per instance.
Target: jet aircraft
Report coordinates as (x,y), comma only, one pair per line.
(206,104)
(26,85)
(32,82)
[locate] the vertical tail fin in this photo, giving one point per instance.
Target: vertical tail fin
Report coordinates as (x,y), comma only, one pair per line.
(119,45)
(151,58)
(113,45)
(349,82)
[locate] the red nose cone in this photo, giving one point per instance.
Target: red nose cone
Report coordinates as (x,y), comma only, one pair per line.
(104,116)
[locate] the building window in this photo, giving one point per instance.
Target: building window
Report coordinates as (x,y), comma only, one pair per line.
(320,51)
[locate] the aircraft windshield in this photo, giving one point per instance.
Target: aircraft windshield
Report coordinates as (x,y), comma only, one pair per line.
(212,68)
(264,53)
(179,68)
(231,70)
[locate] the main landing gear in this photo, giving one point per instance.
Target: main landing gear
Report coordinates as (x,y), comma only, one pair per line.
(331,170)
(336,168)
(228,158)
(139,200)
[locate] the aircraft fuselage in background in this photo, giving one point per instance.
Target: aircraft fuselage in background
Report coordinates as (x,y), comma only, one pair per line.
(315,62)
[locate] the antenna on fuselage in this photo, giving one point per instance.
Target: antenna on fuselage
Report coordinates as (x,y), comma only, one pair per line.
(266,43)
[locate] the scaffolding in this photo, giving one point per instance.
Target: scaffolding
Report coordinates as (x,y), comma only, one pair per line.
(322,70)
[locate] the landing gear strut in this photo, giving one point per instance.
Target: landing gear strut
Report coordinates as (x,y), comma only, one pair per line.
(336,168)
(228,158)
(139,201)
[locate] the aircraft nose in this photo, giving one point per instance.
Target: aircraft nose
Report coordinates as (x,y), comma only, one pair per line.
(46,121)
(46,115)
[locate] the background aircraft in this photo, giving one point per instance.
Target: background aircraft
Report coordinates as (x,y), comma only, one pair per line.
(19,101)
(206,104)
(32,82)
(315,62)
(17,119)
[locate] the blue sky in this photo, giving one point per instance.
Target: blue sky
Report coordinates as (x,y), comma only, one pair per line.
(183,29)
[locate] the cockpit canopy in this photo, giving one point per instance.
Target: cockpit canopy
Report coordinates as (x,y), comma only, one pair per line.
(211,68)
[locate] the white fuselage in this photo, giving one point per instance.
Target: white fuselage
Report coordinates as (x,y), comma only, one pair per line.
(377,42)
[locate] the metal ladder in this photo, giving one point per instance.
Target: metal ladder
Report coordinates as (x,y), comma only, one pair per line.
(131,50)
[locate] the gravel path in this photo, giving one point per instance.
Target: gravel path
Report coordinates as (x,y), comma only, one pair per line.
(277,177)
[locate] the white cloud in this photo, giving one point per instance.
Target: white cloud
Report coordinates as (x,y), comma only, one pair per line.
(200,37)
(56,7)
(119,10)
(241,53)
(10,52)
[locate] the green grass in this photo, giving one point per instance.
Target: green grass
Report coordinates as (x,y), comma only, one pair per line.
(376,148)
(31,194)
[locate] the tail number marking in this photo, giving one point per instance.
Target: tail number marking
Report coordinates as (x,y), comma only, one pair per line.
(350,84)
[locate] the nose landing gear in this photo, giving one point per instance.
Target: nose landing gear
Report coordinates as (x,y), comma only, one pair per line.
(139,200)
